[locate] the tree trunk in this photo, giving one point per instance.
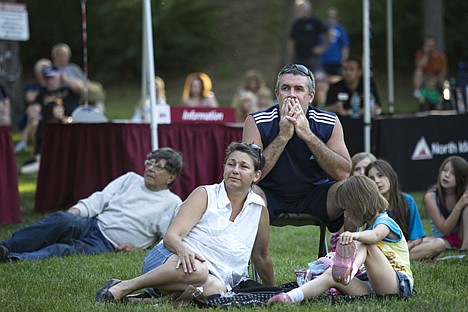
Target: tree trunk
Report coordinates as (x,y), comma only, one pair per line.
(434,21)
(10,77)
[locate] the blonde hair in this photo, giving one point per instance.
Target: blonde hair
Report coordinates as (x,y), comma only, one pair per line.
(206,83)
(60,46)
(241,113)
(360,156)
(253,74)
(161,87)
(265,98)
(41,64)
(361,197)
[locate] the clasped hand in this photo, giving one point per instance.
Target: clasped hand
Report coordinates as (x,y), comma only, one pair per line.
(293,118)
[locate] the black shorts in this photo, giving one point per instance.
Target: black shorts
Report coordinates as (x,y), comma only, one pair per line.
(314,203)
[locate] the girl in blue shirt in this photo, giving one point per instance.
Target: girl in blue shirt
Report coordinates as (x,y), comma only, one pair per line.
(403,209)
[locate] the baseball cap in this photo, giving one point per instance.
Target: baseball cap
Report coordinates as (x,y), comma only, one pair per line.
(50,72)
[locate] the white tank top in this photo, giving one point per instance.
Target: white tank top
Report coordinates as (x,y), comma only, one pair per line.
(226,245)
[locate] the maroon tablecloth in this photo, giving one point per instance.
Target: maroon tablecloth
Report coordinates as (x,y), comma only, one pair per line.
(9,195)
(79,159)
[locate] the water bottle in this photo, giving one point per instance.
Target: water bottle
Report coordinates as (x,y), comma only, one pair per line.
(460,103)
(355,105)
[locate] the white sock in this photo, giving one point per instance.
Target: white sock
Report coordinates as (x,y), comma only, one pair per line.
(296,295)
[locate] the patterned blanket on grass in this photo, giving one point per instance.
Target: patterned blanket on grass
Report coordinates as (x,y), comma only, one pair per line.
(252,294)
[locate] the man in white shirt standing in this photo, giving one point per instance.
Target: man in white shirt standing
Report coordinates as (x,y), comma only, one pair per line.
(131,212)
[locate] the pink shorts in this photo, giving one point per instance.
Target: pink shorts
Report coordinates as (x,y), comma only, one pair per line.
(454,240)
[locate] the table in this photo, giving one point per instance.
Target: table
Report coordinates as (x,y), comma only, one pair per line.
(79,159)
(10,211)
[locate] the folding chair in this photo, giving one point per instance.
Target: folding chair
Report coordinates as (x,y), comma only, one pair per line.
(299,219)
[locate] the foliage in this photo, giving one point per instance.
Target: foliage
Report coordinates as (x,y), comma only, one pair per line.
(188,33)
(180,28)
(408,31)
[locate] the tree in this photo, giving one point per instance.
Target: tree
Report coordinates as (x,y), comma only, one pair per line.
(10,74)
(433,13)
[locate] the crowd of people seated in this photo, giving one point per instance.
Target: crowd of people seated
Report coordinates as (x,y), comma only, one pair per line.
(207,241)
(58,88)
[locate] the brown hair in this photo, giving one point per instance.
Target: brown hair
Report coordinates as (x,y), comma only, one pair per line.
(252,150)
(206,84)
(396,199)
(460,171)
(360,195)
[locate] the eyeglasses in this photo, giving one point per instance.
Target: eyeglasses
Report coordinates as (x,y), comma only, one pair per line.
(296,67)
(156,165)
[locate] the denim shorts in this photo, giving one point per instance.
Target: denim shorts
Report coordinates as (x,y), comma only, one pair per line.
(404,286)
(155,258)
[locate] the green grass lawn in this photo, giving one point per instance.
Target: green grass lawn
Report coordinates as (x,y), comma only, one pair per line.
(70,284)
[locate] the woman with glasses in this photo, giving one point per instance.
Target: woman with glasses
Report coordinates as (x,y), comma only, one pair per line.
(132,212)
(214,234)
(304,150)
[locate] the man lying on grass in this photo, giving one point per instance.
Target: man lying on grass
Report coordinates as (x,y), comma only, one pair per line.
(130,212)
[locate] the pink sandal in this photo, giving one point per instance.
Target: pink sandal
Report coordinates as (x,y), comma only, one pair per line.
(343,263)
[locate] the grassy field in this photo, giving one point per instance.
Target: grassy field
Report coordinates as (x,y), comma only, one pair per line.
(70,284)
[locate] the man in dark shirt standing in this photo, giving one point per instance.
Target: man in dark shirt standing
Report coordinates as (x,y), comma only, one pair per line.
(305,43)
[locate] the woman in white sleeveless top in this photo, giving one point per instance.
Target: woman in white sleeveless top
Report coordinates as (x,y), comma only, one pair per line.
(208,245)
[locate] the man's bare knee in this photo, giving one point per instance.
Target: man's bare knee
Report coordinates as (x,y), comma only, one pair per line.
(333,210)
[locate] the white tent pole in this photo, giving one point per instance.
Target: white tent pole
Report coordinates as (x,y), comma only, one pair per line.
(144,76)
(391,91)
(366,67)
(150,71)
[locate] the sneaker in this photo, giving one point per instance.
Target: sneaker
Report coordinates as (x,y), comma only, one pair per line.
(280,298)
(4,254)
(343,263)
(20,146)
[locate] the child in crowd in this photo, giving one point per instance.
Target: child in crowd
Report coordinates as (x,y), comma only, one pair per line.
(447,203)
(245,104)
(265,98)
(360,161)
(431,97)
(143,110)
(380,246)
(403,209)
